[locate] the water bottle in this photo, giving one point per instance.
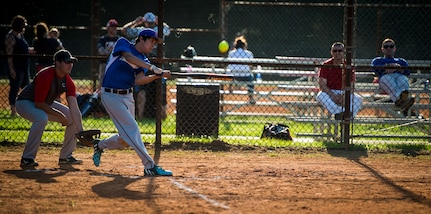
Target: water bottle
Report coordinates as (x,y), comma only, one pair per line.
(426,85)
(258,75)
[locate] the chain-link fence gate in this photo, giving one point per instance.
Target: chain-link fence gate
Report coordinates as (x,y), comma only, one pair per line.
(289,41)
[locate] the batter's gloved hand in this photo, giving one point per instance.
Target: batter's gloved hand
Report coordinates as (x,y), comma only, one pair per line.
(156,70)
(86,138)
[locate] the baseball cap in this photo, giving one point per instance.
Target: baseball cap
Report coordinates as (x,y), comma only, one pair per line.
(150,17)
(112,23)
(64,55)
(148,32)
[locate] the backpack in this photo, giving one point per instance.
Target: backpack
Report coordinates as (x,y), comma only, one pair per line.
(277,131)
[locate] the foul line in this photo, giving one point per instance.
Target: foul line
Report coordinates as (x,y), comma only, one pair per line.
(182,186)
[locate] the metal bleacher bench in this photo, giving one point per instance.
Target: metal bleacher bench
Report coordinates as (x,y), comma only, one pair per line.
(303,85)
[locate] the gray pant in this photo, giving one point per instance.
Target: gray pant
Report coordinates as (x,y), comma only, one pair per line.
(121,109)
(39,119)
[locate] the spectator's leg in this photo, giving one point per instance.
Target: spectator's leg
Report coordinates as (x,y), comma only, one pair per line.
(356,104)
(389,85)
(327,102)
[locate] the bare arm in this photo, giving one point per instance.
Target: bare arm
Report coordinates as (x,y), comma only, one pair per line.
(75,112)
(141,79)
(140,63)
(324,88)
(138,21)
(10,43)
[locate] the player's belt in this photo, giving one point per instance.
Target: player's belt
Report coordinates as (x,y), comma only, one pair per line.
(118,91)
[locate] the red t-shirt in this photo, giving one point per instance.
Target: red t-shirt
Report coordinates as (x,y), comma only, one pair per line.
(47,86)
(333,76)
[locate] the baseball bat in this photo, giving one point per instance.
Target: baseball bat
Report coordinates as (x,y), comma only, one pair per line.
(212,76)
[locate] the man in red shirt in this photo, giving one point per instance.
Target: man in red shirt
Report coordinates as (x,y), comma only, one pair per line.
(331,92)
(41,107)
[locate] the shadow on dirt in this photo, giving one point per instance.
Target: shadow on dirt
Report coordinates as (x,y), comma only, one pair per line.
(117,188)
(41,175)
(356,152)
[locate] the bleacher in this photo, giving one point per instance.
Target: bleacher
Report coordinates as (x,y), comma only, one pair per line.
(292,95)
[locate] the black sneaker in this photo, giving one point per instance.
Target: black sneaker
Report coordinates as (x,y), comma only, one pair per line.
(27,162)
(157,171)
(339,116)
(407,104)
(70,160)
(399,103)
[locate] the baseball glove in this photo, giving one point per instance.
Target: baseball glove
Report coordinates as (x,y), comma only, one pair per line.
(86,138)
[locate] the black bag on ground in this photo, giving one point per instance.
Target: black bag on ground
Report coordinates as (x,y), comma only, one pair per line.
(275,130)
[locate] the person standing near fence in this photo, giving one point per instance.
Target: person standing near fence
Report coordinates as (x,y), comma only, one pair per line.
(41,107)
(242,72)
(126,68)
(393,80)
(146,94)
(44,46)
(331,94)
(18,66)
(55,34)
(106,44)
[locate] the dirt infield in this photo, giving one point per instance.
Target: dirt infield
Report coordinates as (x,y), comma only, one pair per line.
(208,181)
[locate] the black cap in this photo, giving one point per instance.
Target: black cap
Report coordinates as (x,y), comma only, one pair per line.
(65,56)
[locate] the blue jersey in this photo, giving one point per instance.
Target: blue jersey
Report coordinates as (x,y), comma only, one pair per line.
(382,61)
(120,74)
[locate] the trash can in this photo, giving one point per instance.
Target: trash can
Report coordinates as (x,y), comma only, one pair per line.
(197,109)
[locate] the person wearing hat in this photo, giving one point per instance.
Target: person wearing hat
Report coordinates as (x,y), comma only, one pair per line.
(41,107)
(146,94)
(127,66)
(106,44)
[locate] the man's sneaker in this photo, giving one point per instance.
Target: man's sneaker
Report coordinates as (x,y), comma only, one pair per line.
(339,116)
(399,103)
(157,171)
(27,162)
(407,104)
(97,153)
(70,160)
(404,95)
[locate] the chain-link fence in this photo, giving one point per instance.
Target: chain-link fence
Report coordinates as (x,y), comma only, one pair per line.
(288,43)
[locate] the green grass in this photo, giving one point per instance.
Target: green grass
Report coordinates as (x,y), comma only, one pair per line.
(245,132)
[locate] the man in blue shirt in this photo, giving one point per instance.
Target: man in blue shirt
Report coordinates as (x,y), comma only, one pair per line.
(127,66)
(394,78)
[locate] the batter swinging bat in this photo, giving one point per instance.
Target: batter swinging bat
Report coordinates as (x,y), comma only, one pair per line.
(212,76)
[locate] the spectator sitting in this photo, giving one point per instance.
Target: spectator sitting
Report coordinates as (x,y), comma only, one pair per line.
(331,94)
(242,72)
(394,80)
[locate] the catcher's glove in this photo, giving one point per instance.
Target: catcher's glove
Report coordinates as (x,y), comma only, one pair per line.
(86,138)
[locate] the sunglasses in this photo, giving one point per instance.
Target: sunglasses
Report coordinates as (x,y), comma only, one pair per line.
(335,51)
(68,62)
(388,46)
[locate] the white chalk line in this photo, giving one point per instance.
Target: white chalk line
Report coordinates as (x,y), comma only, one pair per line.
(188,189)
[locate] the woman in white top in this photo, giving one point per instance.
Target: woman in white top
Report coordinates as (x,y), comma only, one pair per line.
(242,72)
